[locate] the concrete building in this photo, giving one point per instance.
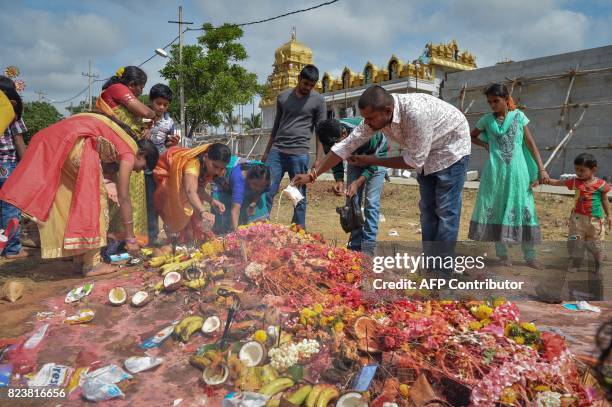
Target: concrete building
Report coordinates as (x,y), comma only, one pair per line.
(554,92)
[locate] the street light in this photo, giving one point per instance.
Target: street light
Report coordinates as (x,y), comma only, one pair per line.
(161,53)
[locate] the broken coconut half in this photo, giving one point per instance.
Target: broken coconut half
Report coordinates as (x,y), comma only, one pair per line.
(172,281)
(211,325)
(141,298)
(252,354)
(351,399)
(213,376)
(117,296)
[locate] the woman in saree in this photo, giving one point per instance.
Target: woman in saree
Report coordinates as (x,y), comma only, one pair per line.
(119,99)
(181,177)
(243,191)
(59,183)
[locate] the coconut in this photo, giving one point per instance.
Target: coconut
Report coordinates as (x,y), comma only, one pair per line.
(351,399)
(215,376)
(141,298)
(252,353)
(211,325)
(193,273)
(117,296)
(364,326)
(172,281)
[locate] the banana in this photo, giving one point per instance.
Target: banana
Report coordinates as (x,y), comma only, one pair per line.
(184,329)
(314,394)
(196,284)
(168,267)
(274,402)
(145,251)
(276,386)
(159,261)
(159,286)
(267,374)
(299,396)
(200,362)
(330,393)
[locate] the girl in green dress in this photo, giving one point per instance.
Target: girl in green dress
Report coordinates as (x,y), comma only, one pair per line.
(505,208)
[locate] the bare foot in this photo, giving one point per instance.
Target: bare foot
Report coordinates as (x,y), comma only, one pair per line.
(19,255)
(99,270)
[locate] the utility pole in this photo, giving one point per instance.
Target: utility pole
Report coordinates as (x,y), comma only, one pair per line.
(89,76)
(180,23)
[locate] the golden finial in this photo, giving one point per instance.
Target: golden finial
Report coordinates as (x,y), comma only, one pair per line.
(293,34)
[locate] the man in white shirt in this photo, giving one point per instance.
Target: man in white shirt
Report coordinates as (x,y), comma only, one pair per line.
(435,138)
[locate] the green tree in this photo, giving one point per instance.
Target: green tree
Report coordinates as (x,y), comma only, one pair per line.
(38,115)
(214,80)
(253,122)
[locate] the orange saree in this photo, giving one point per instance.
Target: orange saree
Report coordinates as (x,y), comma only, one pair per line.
(170,199)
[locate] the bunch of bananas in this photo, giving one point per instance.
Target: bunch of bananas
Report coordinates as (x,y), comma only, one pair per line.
(184,329)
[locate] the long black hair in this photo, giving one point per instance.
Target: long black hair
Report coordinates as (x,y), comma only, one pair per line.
(150,151)
(256,171)
(131,75)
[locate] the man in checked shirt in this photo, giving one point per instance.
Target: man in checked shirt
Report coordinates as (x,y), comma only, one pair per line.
(435,138)
(12,147)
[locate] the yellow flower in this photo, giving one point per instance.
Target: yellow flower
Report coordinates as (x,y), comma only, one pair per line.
(120,71)
(474,326)
(481,312)
(404,390)
(338,327)
(260,336)
(498,301)
(330,255)
(529,327)
(485,322)
(508,396)
(519,340)
(318,308)
(541,388)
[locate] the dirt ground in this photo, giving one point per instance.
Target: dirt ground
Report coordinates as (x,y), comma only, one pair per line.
(44,279)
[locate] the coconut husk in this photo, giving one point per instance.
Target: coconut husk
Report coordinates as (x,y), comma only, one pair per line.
(422,394)
(12,290)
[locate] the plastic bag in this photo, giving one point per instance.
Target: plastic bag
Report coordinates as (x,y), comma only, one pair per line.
(136,364)
(97,390)
(294,194)
(351,217)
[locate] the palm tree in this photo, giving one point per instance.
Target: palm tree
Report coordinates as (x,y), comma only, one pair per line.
(253,122)
(229,121)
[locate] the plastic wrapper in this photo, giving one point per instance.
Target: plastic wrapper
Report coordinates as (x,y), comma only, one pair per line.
(97,390)
(294,194)
(158,338)
(78,293)
(51,375)
(109,374)
(82,316)
(245,399)
(35,339)
(136,364)
(5,375)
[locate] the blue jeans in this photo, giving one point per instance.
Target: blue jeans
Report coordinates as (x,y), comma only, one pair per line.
(7,212)
(364,239)
(441,208)
(294,164)
(152,222)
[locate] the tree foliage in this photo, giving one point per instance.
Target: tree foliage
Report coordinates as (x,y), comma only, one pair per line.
(38,115)
(253,122)
(214,80)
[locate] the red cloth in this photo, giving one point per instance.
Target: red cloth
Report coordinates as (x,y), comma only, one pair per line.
(588,196)
(117,94)
(34,183)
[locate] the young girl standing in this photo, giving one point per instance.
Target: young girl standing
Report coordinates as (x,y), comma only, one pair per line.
(505,208)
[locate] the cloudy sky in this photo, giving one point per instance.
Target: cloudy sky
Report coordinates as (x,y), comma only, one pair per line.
(51,41)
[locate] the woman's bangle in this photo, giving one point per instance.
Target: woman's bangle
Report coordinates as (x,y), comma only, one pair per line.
(313,175)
